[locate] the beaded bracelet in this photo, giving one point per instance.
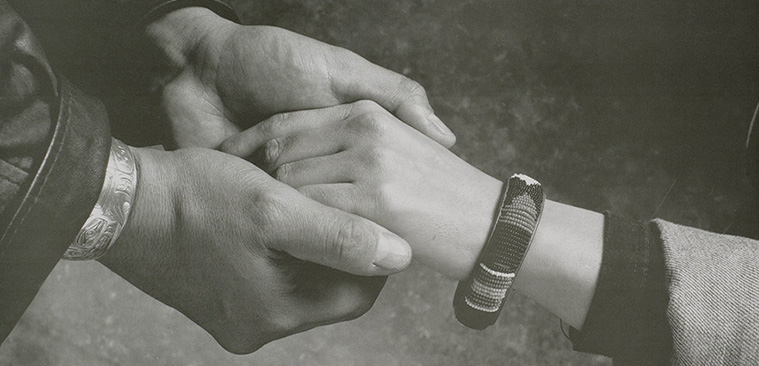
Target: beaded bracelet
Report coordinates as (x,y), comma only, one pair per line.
(479,299)
(110,214)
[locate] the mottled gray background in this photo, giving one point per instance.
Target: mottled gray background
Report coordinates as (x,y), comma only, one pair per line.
(636,107)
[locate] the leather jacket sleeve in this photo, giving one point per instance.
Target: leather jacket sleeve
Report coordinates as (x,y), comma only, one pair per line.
(98,45)
(54,139)
(54,144)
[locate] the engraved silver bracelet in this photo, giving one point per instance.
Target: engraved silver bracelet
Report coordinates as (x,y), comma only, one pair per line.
(111,212)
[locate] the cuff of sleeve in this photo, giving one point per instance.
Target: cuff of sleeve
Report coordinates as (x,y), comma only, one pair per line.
(627,317)
(56,204)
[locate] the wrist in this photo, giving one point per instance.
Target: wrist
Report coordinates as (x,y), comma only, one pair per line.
(112,209)
(481,296)
(479,221)
(152,217)
(561,268)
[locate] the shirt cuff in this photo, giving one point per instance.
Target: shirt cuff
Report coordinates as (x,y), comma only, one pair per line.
(627,318)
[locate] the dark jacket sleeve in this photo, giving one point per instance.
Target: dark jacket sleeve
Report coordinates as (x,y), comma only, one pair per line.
(98,45)
(54,144)
(54,140)
(87,39)
(627,319)
(673,295)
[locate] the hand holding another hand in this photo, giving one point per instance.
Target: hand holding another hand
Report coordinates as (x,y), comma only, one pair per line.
(225,244)
(359,158)
(225,77)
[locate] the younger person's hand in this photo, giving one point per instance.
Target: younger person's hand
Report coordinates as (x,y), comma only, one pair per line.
(360,158)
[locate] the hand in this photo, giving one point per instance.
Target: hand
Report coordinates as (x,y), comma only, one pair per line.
(361,159)
(227,77)
(216,238)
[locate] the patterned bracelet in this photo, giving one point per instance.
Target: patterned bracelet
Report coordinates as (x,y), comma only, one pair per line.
(479,299)
(110,214)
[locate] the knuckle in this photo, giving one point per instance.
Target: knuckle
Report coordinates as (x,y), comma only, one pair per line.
(271,153)
(363,106)
(284,172)
(275,125)
(378,157)
(349,239)
(412,86)
(372,124)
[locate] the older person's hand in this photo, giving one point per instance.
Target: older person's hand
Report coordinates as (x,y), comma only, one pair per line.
(224,77)
(244,256)
(361,159)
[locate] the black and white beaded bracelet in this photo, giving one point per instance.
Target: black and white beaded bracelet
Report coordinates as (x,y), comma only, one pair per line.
(479,299)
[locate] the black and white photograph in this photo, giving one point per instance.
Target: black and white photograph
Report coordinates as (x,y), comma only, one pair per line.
(379,182)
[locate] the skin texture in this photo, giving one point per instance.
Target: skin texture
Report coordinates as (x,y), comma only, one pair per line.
(242,268)
(360,159)
(225,77)
(248,258)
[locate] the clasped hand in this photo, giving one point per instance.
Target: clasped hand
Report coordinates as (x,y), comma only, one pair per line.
(246,257)
(226,77)
(361,159)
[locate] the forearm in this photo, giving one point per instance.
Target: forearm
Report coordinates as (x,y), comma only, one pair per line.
(561,268)
(604,276)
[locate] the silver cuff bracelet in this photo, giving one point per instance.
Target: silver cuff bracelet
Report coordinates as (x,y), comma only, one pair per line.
(110,214)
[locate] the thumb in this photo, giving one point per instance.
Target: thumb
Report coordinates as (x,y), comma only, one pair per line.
(404,97)
(328,236)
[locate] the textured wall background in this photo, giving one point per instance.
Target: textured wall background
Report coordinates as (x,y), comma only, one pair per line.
(636,107)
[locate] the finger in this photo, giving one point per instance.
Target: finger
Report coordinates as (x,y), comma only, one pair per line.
(320,141)
(361,123)
(337,168)
(326,295)
(245,143)
(340,240)
(406,98)
(341,296)
(343,196)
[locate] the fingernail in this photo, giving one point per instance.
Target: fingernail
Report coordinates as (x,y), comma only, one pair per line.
(439,125)
(392,252)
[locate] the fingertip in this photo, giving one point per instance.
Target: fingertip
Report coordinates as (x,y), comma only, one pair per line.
(446,136)
(393,254)
(423,118)
(440,127)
